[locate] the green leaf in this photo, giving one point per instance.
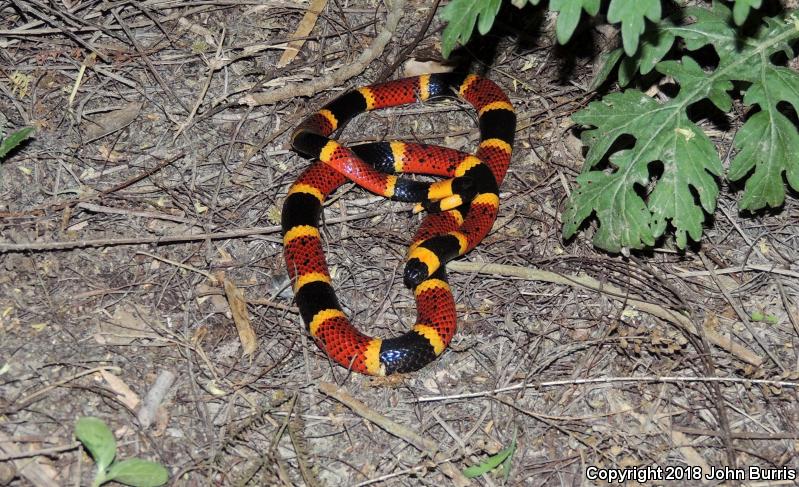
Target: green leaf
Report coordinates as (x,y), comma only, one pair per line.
(607,61)
(569,12)
(14,140)
(710,27)
(492,462)
(663,133)
(627,69)
(138,473)
(489,13)
(741,10)
(632,207)
(98,439)
(672,199)
(654,45)
(623,216)
(631,14)
(688,73)
(767,142)
(461,15)
(773,84)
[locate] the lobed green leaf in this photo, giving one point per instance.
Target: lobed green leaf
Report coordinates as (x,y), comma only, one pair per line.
(569,12)
(769,144)
(655,43)
(741,9)
(631,14)
(663,133)
(634,208)
(461,16)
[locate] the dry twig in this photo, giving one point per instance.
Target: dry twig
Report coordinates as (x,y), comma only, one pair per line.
(587,282)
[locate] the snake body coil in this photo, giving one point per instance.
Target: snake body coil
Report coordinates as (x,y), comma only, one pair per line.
(463,209)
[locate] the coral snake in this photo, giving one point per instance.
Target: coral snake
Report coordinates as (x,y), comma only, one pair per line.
(462,210)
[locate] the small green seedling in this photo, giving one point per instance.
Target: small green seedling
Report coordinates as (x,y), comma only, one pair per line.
(759,316)
(97,437)
(502,458)
(13,140)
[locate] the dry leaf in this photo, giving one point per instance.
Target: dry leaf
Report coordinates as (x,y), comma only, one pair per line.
(109,154)
(199,30)
(412,67)
(213,389)
(648,420)
(161,421)
(128,323)
(112,121)
(20,83)
(689,453)
(224,257)
(199,335)
(238,306)
(78,226)
(124,393)
(210,294)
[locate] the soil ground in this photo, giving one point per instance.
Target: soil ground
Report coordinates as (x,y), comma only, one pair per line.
(148,184)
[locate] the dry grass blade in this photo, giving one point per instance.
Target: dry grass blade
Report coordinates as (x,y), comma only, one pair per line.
(306,26)
(238,306)
(396,11)
(296,429)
